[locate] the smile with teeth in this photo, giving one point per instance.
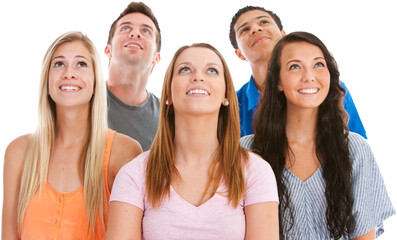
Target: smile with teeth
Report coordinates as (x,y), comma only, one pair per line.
(308,90)
(69,88)
(197,91)
(133,45)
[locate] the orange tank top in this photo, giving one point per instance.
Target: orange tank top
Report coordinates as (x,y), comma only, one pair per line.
(55,215)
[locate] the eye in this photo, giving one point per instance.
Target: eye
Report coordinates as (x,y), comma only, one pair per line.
(293,67)
(184,70)
(58,64)
(264,22)
(319,64)
(126,29)
(245,29)
(146,31)
(82,64)
(212,71)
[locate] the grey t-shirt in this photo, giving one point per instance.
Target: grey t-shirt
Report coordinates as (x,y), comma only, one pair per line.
(138,122)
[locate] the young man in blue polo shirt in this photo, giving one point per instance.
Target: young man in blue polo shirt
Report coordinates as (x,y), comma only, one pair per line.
(254,31)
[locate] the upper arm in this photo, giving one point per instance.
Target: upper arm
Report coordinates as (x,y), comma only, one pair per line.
(262,221)
(125,221)
(14,160)
(124,149)
(368,236)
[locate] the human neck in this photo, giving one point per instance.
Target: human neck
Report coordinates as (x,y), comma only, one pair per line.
(72,126)
(301,125)
(128,84)
(259,71)
(195,139)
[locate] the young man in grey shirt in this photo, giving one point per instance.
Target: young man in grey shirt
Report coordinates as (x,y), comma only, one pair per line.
(133,49)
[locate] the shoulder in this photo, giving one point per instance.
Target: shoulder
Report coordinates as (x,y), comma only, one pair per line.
(124,145)
(17,148)
(124,149)
(241,91)
(256,166)
(362,158)
(255,161)
(15,154)
(357,144)
(137,167)
(261,185)
(247,141)
(153,97)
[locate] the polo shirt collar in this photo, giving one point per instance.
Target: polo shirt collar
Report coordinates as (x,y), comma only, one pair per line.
(252,94)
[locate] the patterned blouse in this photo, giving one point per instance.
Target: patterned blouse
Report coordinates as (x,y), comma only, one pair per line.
(371,206)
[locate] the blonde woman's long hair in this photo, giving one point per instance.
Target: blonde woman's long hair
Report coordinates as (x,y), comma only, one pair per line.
(34,176)
(227,162)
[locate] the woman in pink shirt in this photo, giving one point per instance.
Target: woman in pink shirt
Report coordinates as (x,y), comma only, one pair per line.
(196,182)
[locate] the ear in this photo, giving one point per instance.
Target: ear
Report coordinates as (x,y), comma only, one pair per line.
(169,100)
(239,54)
(280,87)
(283,34)
(108,51)
(156,59)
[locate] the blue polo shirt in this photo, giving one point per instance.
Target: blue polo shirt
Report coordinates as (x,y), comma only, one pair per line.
(248,98)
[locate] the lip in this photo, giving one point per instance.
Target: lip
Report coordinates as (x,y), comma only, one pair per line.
(309,90)
(198,92)
(258,39)
(69,87)
(133,44)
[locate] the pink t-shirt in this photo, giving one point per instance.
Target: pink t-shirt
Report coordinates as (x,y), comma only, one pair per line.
(178,219)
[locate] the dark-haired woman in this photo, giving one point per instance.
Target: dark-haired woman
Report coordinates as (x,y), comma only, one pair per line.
(329,184)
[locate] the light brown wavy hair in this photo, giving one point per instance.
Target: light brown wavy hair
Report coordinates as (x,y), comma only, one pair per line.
(227,164)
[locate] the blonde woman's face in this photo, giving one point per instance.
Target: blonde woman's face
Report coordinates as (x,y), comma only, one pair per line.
(71,75)
(198,83)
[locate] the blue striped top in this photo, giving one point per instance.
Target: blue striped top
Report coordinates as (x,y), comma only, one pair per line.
(371,206)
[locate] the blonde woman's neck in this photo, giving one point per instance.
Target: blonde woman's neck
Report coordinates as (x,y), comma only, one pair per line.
(71,126)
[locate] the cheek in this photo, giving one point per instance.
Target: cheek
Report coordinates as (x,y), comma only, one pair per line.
(326,80)
(51,82)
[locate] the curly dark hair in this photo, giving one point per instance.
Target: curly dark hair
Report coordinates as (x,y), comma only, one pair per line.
(270,141)
(232,33)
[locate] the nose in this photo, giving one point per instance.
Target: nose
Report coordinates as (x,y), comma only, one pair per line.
(69,73)
(256,28)
(197,78)
(135,34)
(308,75)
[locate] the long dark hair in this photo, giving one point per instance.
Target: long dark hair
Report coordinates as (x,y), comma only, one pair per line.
(270,141)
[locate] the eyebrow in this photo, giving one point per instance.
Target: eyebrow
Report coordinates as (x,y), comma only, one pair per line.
(77,56)
(244,24)
(207,65)
(297,60)
(130,23)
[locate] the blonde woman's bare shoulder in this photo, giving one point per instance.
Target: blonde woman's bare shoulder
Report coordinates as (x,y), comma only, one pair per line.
(16,150)
(124,149)
(14,159)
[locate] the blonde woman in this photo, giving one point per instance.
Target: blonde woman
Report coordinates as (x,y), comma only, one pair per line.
(57,180)
(196,182)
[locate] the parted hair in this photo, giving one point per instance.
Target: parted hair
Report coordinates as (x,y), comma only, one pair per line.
(270,140)
(35,172)
(227,163)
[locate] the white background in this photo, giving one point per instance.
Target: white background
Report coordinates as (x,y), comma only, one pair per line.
(360,34)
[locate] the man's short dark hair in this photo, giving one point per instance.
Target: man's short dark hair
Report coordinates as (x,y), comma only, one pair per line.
(137,7)
(232,33)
